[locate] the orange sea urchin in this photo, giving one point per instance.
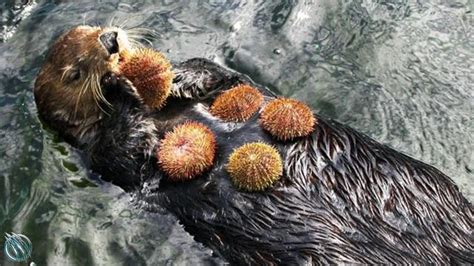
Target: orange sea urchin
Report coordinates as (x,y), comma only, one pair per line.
(254,166)
(150,73)
(237,104)
(187,151)
(287,119)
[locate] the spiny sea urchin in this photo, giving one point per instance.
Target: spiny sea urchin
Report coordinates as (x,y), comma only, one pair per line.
(237,104)
(150,72)
(287,119)
(187,151)
(254,166)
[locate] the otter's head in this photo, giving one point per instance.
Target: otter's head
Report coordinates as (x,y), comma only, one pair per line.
(67,90)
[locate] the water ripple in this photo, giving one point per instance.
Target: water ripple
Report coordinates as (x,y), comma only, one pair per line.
(397,70)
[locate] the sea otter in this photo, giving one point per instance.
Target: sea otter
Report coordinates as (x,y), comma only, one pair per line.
(343,197)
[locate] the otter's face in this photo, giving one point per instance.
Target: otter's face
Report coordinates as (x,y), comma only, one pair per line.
(67,90)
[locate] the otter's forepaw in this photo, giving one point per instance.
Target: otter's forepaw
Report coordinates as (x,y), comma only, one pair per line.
(117,88)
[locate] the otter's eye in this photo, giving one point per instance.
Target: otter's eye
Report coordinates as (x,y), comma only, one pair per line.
(75,75)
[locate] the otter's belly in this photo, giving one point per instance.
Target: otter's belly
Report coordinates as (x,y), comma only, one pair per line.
(343,198)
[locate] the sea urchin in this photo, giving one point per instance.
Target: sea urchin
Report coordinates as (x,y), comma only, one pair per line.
(254,166)
(187,151)
(150,72)
(286,119)
(237,104)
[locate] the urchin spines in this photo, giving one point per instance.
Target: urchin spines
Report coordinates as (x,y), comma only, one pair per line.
(286,119)
(187,151)
(151,74)
(254,166)
(237,104)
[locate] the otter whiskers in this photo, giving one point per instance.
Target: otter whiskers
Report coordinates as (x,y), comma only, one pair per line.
(97,91)
(92,84)
(82,91)
(136,35)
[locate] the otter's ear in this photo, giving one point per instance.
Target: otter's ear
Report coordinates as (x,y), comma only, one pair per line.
(120,92)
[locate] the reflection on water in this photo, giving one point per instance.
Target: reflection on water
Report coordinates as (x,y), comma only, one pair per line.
(397,70)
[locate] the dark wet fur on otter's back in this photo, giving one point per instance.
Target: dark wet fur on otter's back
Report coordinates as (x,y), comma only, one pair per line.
(344,198)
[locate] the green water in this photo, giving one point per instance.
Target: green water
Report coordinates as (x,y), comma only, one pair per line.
(400,71)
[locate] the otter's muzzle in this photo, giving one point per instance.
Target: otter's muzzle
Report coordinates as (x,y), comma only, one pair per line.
(109,41)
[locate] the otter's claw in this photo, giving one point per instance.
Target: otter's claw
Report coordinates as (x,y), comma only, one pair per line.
(109,79)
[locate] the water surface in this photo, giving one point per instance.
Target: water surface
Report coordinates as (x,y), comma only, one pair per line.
(400,71)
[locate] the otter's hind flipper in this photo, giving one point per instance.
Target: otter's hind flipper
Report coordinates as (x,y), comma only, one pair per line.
(199,78)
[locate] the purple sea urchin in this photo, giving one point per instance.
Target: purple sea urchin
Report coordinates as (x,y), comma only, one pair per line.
(187,151)
(237,104)
(254,166)
(286,119)
(150,73)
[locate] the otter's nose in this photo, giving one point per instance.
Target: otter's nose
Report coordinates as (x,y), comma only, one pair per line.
(109,41)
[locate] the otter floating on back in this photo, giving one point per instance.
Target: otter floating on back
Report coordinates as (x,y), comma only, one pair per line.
(342,197)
